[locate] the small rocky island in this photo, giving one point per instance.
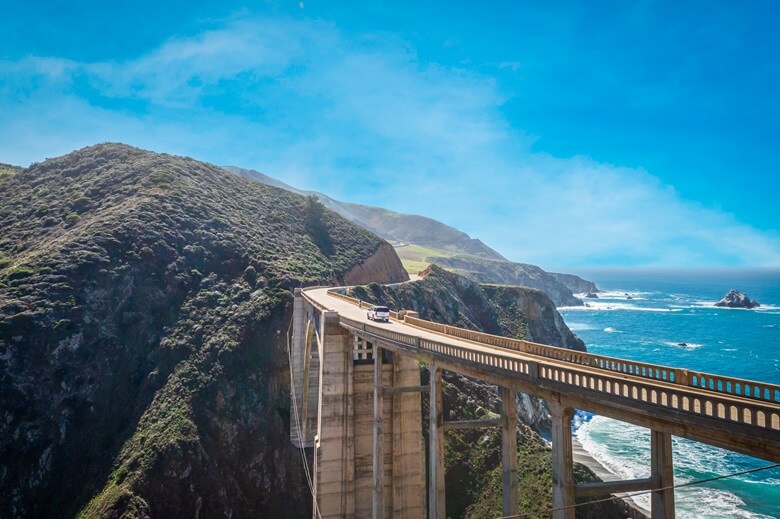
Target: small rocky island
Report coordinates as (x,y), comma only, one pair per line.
(736,299)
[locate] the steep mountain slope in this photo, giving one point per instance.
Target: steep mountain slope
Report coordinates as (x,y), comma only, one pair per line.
(144,304)
(392,226)
(421,241)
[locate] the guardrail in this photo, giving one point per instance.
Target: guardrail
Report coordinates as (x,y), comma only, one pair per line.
(765,415)
(719,384)
(361,304)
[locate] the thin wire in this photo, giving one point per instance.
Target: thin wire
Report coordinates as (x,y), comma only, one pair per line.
(634,494)
(298,424)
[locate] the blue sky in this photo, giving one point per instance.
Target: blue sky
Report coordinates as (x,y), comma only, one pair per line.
(571,135)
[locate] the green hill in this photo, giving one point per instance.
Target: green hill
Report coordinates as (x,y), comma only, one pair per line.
(144,303)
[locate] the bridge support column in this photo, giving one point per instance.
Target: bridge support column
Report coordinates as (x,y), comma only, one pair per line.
(662,472)
(378,489)
(509,450)
(562,460)
(335,477)
(436,495)
(408,450)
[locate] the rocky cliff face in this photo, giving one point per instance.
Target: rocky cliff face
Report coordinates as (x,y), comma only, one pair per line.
(576,284)
(383,266)
(144,306)
(509,273)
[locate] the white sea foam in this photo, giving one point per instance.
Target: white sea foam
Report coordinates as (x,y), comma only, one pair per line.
(682,344)
(578,327)
(620,294)
(605,305)
(623,449)
(728,349)
(609,329)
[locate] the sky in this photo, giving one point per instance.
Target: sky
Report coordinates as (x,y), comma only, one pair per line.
(565,134)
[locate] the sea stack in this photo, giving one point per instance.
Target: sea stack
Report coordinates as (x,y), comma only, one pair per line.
(736,299)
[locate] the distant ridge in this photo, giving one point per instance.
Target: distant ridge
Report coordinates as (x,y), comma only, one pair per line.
(421,241)
(392,226)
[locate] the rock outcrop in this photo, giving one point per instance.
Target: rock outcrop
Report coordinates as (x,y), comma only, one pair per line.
(383,266)
(509,273)
(575,283)
(144,306)
(736,299)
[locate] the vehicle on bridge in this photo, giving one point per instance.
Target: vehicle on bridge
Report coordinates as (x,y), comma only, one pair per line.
(378,313)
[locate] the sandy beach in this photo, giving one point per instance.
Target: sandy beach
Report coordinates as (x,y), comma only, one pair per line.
(582,456)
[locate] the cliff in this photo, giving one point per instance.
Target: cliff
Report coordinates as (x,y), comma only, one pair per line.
(510,273)
(144,306)
(383,266)
(576,284)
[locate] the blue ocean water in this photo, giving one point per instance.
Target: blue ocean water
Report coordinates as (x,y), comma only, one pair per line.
(668,318)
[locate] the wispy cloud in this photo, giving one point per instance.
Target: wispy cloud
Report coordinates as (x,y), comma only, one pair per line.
(365,120)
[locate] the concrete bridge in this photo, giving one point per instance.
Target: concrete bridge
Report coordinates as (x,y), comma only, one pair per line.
(356,392)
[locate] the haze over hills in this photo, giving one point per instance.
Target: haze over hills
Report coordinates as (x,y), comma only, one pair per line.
(395,227)
(421,241)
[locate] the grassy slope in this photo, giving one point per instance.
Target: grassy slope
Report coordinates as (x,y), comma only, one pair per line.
(415,257)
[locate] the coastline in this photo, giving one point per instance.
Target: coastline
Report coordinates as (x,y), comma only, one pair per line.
(583,457)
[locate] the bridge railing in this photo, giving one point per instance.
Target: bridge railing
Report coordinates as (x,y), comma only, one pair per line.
(684,377)
(695,379)
(361,304)
(764,415)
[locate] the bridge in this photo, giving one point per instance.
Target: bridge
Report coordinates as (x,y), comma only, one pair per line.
(356,396)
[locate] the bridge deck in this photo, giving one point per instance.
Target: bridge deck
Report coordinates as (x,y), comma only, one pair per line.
(744,424)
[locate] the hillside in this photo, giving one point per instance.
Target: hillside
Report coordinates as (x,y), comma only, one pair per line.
(422,241)
(392,226)
(144,305)
(510,273)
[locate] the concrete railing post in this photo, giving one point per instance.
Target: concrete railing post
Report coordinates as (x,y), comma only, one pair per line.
(662,471)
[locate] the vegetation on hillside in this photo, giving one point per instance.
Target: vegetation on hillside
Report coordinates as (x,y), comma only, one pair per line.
(144,302)
(395,227)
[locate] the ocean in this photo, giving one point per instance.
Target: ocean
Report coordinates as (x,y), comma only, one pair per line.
(668,318)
